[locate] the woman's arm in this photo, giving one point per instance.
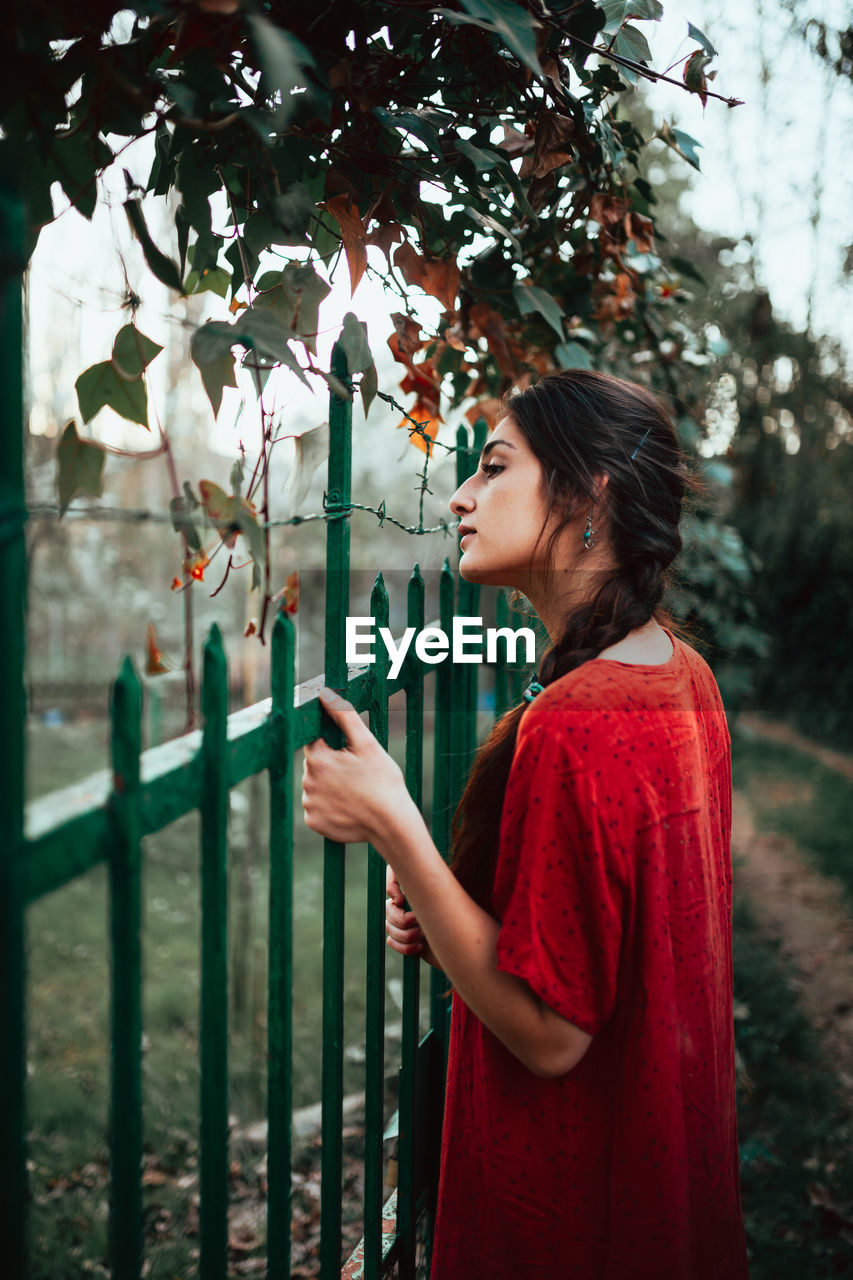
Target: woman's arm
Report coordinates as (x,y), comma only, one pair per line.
(358,793)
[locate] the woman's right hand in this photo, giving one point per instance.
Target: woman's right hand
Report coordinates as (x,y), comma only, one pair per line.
(404,932)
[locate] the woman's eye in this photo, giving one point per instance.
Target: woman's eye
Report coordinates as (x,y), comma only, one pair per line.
(490,468)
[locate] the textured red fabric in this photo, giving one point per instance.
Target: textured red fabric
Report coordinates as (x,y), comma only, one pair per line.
(613,887)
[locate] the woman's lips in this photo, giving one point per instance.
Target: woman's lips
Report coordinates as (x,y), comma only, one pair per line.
(466,537)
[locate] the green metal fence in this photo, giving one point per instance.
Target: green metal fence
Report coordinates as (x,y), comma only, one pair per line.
(107,817)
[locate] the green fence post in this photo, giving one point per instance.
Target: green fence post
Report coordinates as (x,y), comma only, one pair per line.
(443,795)
(374,1047)
(502,657)
(465,677)
(280,999)
(126,1004)
(13,1160)
(214,964)
(407,1191)
(337,607)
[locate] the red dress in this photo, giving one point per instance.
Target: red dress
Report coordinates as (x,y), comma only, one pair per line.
(613,887)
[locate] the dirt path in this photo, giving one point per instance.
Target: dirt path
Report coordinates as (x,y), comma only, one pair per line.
(775,731)
(805,909)
(794,902)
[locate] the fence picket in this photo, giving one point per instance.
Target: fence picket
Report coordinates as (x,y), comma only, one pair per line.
(406,1197)
(13,514)
(444,796)
(374,1063)
(337,607)
(214,965)
(280,997)
(126,998)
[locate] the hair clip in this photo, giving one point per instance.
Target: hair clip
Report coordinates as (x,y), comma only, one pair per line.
(531,691)
(639,446)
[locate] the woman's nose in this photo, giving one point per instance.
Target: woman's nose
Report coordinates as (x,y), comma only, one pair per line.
(461,501)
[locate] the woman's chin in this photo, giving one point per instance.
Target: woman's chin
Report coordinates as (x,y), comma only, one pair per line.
(470,571)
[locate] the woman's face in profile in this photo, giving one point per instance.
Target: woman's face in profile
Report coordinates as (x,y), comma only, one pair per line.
(501,509)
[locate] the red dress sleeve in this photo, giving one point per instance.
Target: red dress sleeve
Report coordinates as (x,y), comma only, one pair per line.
(561,889)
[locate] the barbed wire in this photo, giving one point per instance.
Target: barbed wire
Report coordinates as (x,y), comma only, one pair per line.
(125,515)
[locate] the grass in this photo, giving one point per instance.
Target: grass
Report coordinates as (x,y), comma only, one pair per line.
(796,1162)
(795,795)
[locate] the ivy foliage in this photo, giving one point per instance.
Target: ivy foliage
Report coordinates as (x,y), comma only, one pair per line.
(489,148)
(328,131)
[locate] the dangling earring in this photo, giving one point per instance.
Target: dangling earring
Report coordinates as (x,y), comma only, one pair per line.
(589,534)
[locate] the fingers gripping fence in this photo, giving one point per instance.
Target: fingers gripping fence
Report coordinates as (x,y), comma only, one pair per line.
(106,819)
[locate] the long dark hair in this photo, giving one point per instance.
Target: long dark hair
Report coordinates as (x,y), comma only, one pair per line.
(580,425)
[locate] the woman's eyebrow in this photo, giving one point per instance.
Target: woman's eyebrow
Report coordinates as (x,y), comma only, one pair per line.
(493,444)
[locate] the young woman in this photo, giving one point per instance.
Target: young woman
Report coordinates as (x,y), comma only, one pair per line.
(585,924)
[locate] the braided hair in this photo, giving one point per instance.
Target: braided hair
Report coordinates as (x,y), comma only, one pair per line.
(582,425)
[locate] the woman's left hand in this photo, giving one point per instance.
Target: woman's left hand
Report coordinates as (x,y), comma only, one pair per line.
(350,794)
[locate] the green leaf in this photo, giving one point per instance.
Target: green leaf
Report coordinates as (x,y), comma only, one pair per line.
(571,355)
(414,122)
(618,12)
(163,268)
(78,161)
(516,28)
(694,73)
(631,43)
(294,296)
(211,280)
(530,298)
(353,339)
(680,142)
(260,331)
(102,384)
(701,38)
(492,224)
(368,387)
(180,509)
(282,59)
(483,161)
(335,385)
(247,523)
(80,467)
(210,351)
(133,352)
(258,232)
(312,449)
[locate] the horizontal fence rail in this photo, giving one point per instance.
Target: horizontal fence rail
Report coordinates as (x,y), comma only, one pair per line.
(106,817)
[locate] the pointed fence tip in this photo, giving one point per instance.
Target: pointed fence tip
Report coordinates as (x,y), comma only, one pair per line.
(283,624)
(127,667)
(214,652)
(127,688)
(214,638)
(128,676)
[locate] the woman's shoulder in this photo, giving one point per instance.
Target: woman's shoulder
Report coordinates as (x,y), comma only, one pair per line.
(600,693)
